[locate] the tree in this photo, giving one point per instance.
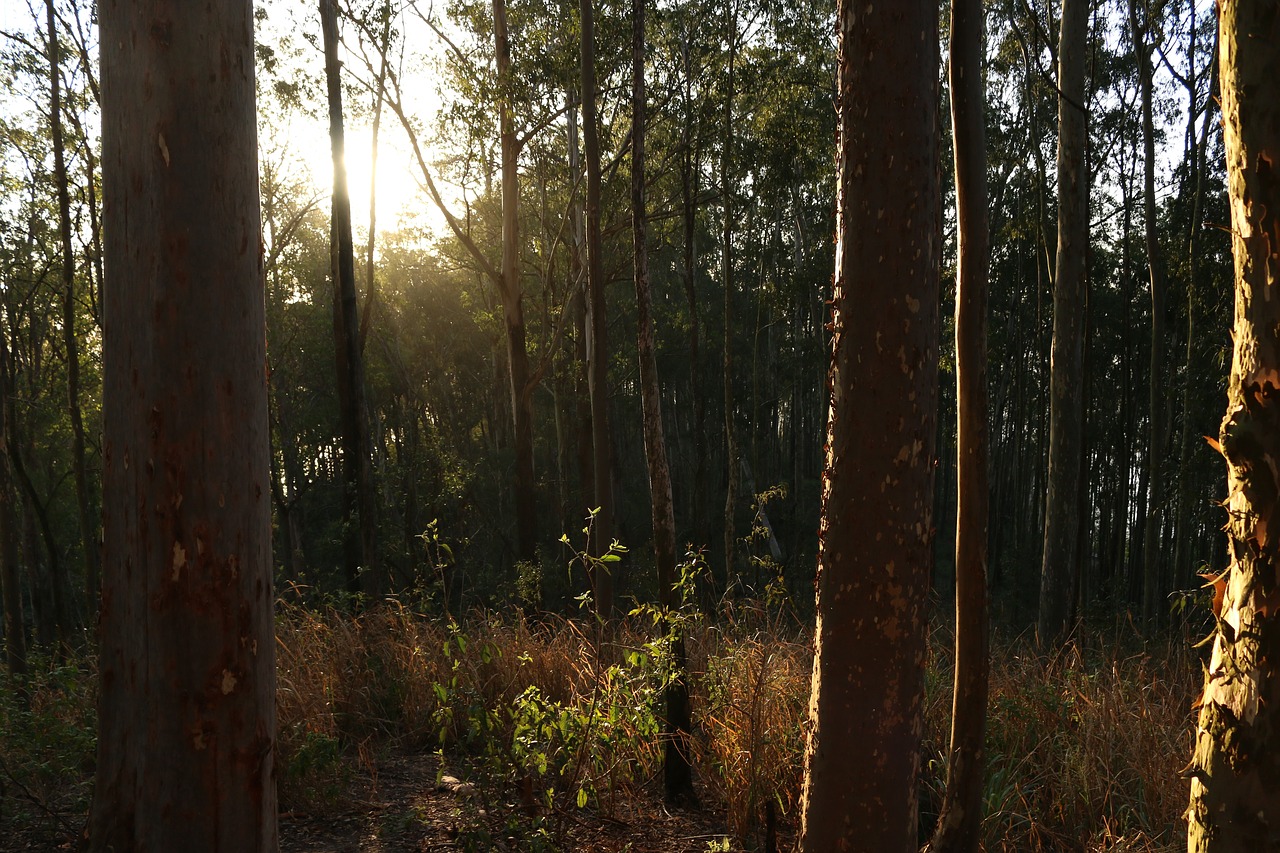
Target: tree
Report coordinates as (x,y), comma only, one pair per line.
(1157,428)
(960,822)
(15,633)
(1060,567)
(360,546)
(728,131)
(602,527)
(876,531)
(523,380)
(70,336)
(677,761)
(1235,803)
(187,702)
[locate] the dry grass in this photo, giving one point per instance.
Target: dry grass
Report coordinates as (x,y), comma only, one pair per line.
(1084,747)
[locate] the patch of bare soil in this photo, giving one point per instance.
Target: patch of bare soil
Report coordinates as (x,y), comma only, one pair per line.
(407,805)
(404,803)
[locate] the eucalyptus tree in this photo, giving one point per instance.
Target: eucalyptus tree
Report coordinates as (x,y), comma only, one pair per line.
(360,549)
(186,715)
(960,822)
(1060,562)
(603,522)
(1234,802)
(875,535)
(70,332)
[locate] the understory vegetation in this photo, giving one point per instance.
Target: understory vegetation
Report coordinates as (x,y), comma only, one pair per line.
(547,719)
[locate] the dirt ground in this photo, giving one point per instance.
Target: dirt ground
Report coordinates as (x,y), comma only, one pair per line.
(404,803)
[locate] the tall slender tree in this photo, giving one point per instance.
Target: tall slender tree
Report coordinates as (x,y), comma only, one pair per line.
(1061,555)
(15,632)
(602,528)
(70,335)
(875,550)
(960,823)
(186,732)
(360,542)
(677,755)
(728,135)
(1235,802)
(1142,32)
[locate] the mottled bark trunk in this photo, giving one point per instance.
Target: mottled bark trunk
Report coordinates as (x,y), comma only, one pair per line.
(875,551)
(187,704)
(1061,556)
(360,551)
(602,530)
(1235,801)
(960,824)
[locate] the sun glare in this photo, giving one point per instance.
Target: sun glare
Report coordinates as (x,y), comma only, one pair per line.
(400,200)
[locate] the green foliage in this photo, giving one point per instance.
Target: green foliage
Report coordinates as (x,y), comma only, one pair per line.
(47,744)
(314,772)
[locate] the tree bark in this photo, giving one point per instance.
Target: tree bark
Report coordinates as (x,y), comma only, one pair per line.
(677,762)
(70,339)
(726,271)
(960,823)
(15,634)
(875,552)
(1158,386)
(512,296)
(360,548)
(370,280)
(1235,802)
(690,167)
(1060,559)
(602,530)
(187,662)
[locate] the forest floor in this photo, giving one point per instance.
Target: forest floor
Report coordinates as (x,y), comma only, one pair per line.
(407,805)
(404,732)
(404,803)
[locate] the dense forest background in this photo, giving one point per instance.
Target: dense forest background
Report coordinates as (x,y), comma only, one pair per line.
(741,117)
(458,422)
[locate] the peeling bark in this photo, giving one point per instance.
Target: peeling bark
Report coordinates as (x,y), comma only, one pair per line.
(1235,795)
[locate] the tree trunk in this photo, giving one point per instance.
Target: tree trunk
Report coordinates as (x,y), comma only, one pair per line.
(512,295)
(70,339)
(1235,802)
(1158,386)
(677,756)
(360,551)
(15,634)
(726,270)
(690,167)
(875,551)
(602,530)
(1060,565)
(187,704)
(370,281)
(960,824)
